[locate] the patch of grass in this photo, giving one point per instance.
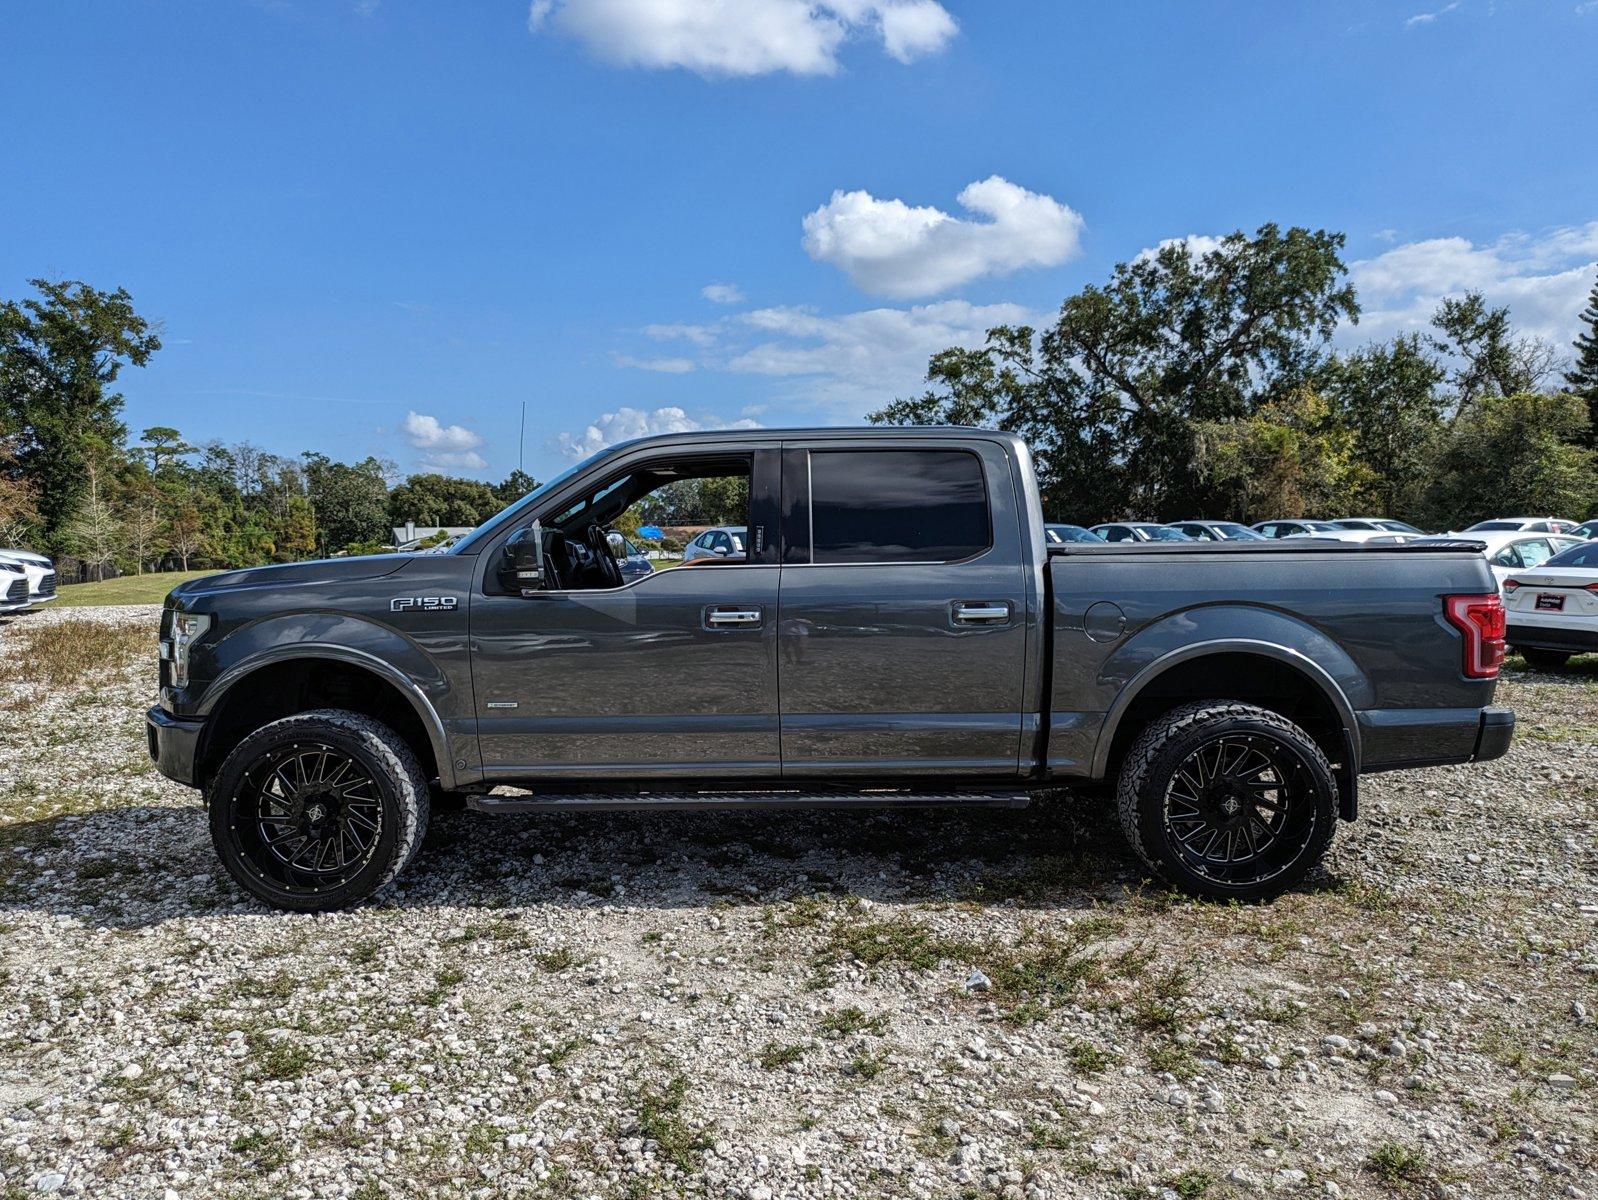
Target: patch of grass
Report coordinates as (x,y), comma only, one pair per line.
(775,1055)
(895,940)
(69,653)
(1089,1059)
(846,1021)
(130,589)
(1396,1164)
(660,1120)
(864,1066)
(1190,1185)
(559,959)
(279,1058)
(264,1152)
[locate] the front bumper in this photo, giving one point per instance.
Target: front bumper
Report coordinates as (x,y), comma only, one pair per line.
(1497,731)
(174,745)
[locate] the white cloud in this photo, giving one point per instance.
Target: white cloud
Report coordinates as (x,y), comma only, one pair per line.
(743,37)
(722,293)
(854,362)
(627,423)
(889,248)
(444,447)
(1198,245)
(1426,18)
(699,335)
(668,366)
(1543,279)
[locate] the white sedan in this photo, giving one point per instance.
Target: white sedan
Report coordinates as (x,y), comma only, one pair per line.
(1552,610)
(1508,552)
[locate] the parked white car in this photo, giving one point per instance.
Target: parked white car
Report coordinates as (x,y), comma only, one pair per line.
(1523,525)
(724,541)
(1303,527)
(1552,609)
(13,588)
(39,570)
(1378,525)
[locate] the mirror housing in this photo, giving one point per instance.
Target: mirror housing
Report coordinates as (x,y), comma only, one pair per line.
(721,552)
(523,569)
(617,544)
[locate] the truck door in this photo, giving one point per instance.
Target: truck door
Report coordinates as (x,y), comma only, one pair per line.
(903,609)
(670,674)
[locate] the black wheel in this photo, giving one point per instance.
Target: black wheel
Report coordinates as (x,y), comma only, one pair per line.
(1227,800)
(317,811)
(1543,660)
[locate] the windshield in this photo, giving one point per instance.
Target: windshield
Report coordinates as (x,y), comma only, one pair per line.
(1397,527)
(1355,524)
(1320,526)
(474,540)
(1576,556)
(1162,533)
(1490,526)
(1068,533)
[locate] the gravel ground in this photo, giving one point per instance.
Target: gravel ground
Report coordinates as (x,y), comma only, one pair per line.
(778,1005)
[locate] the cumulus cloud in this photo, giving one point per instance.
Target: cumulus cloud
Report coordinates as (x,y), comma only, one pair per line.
(853,362)
(722,293)
(743,37)
(1543,279)
(890,248)
(627,423)
(444,447)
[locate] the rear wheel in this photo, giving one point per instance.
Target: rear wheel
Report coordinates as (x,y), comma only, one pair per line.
(319,810)
(1227,800)
(1543,660)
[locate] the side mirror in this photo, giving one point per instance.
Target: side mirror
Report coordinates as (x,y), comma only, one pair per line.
(617,544)
(720,552)
(523,568)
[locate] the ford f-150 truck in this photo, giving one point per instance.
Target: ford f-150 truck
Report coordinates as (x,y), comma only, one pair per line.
(896,631)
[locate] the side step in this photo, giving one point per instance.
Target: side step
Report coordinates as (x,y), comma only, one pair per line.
(529,802)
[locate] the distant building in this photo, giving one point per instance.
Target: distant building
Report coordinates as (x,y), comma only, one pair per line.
(410,535)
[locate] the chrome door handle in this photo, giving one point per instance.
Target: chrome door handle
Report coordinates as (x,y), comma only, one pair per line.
(732,616)
(980,613)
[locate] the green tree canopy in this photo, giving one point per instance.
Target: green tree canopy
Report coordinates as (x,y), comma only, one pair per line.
(432,499)
(1582,378)
(1515,454)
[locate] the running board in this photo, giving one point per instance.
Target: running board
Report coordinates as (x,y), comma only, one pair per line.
(528,802)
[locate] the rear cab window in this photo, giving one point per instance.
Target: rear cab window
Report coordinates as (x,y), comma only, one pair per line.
(897,506)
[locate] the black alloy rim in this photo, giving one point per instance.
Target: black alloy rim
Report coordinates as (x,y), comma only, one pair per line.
(1239,809)
(307,817)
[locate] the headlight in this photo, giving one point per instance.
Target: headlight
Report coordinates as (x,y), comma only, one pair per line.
(187,628)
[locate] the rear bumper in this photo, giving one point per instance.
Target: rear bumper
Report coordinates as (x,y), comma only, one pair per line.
(1545,635)
(1497,731)
(174,745)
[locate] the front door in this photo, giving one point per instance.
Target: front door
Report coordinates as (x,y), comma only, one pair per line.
(904,610)
(671,674)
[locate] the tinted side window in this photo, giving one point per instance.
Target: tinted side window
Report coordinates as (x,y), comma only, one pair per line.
(897,506)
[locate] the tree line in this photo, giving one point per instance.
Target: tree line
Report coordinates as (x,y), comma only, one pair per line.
(1203,382)
(72,483)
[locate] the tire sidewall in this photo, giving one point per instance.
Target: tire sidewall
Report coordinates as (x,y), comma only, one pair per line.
(221,798)
(1162,766)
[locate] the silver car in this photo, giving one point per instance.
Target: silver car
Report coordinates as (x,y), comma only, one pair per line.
(721,542)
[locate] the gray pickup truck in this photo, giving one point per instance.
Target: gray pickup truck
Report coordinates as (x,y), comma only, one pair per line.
(897,631)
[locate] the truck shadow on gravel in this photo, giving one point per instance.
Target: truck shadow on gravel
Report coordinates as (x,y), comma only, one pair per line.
(130,868)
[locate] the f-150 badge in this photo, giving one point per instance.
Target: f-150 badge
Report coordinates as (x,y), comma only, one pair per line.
(424,604)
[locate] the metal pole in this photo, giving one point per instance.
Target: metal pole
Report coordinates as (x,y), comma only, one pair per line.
(521,438)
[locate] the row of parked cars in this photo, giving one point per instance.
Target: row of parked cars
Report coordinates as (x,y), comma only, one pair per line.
(26,579)
(1547,568)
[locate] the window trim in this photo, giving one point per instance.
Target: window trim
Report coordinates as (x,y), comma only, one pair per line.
(810,509)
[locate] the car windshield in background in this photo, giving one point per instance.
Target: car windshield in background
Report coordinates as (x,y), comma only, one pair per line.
(1495,527)
(1589,530)
(1321,527)
(1576,556)
(1240,533)
(1397,527)
(1162,533)
(1068,533)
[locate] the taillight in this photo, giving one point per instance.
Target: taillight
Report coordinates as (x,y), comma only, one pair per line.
(1481,620)
(1511,584)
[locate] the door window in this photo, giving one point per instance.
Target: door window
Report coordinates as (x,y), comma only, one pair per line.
(884,506)
(1535,552)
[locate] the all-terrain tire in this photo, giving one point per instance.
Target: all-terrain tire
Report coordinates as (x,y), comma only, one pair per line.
(398,785)
(1543,660)
(1165,749)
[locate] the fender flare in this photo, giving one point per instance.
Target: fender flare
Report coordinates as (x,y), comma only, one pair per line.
(240,671)
(1317,674)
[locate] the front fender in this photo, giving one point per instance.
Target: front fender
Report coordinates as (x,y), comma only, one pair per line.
(1231,629)
(359,642)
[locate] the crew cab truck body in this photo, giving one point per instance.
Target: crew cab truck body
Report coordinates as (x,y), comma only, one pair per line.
(898,631)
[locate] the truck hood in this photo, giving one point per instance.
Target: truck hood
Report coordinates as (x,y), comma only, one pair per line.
(326,570)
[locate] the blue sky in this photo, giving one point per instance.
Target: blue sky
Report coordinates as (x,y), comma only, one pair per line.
(378,226)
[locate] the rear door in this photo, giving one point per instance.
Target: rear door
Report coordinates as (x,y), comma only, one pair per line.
(903,609)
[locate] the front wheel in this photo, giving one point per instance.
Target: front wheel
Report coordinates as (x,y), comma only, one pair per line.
(1543,660)
(319,810)
(1227,800)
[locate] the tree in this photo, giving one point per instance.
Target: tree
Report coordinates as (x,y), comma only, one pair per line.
(1292,457)
(514,486)
(141,523)
(59,354)
(348,503)
(432,499)
(1515,454)
(1386,396)
(18,511)
(1490,360)
(1583,375)
(95,533)
(164,447)
(185,533)
(1108,396)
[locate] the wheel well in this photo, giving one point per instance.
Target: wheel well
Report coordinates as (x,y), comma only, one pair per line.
(1251,678)
(283,689)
